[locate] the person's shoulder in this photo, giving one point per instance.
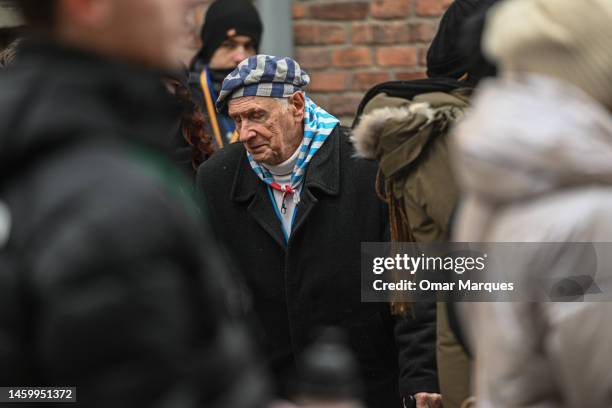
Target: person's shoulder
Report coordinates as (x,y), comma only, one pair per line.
(347,145)
(222,165)
(229,155)
(110,177)
(100,202)
(351,163)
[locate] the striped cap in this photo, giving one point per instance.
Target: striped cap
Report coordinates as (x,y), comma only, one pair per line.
(263,75)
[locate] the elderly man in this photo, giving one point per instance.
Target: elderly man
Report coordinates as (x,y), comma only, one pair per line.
(293,206)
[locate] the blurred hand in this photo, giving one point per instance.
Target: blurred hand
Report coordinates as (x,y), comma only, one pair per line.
(426,400)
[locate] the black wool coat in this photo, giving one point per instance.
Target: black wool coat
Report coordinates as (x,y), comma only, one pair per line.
(313,280)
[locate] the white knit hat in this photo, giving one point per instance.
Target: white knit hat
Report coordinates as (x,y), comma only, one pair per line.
(565,39)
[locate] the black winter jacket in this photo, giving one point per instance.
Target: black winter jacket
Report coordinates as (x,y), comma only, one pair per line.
(108,281)
(314,280)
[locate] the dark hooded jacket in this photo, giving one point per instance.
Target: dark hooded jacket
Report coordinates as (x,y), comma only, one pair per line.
(108,279)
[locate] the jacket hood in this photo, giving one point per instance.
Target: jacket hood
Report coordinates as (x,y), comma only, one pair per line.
(530,136)
(392,129)
(54,97)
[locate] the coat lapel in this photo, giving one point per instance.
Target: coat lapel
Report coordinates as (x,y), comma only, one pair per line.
(249,188)
(323,174)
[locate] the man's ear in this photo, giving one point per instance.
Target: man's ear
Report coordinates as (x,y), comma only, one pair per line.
(298,104)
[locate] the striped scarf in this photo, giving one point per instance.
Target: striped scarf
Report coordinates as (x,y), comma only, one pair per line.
(318,125)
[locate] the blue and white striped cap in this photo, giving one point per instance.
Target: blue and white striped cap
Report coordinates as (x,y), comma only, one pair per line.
(262,75)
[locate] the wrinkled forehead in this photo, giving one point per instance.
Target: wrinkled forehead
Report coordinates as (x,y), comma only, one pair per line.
(245,104)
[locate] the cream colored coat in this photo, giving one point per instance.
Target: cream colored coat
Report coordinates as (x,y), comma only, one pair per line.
(534,160)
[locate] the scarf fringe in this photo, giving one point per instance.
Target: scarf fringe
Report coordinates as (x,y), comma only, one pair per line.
(400,232)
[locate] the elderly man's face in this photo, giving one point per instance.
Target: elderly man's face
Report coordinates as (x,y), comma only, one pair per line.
(270,131)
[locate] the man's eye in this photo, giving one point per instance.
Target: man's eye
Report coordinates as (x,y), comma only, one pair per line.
(258,115)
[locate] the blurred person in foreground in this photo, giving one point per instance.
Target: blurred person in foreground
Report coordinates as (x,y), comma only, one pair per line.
(534,159)
(109,280)
(409,138)
(294,206)
(231,33)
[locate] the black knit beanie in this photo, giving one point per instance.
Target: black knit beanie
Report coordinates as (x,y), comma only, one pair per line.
(446,56)
(222,16)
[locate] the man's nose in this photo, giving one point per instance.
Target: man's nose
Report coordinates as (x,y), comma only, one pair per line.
(245,132)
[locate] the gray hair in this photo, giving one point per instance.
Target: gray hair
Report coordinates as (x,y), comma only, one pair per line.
(283,102)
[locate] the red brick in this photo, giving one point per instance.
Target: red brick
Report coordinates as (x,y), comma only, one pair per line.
(316,34)
(432,7)
(313,57)
(362,34)
(409,76)
(304,34)
(333,34)
(365,80)
(396,56)
(423,32)
(384,33)
(344,105)
(391,33)
(352,57)
(340,11)
(391,8)
(328,81)
(300,11)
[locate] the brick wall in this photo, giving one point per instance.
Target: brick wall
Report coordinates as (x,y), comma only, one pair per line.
(348,46)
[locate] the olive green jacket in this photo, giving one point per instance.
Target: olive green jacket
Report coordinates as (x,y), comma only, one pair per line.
(409,139)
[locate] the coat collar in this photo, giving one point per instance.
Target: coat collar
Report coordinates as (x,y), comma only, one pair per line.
(323,173)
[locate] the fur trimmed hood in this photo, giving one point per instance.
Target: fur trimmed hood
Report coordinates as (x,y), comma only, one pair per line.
(367,134)
(390,124)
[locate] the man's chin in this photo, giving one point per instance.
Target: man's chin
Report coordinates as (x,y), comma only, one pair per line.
(260,158)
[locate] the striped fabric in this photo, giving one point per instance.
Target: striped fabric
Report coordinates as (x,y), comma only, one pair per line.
(262,75)
(318,125)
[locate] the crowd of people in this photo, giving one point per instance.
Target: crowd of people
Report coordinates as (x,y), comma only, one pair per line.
(188,236)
